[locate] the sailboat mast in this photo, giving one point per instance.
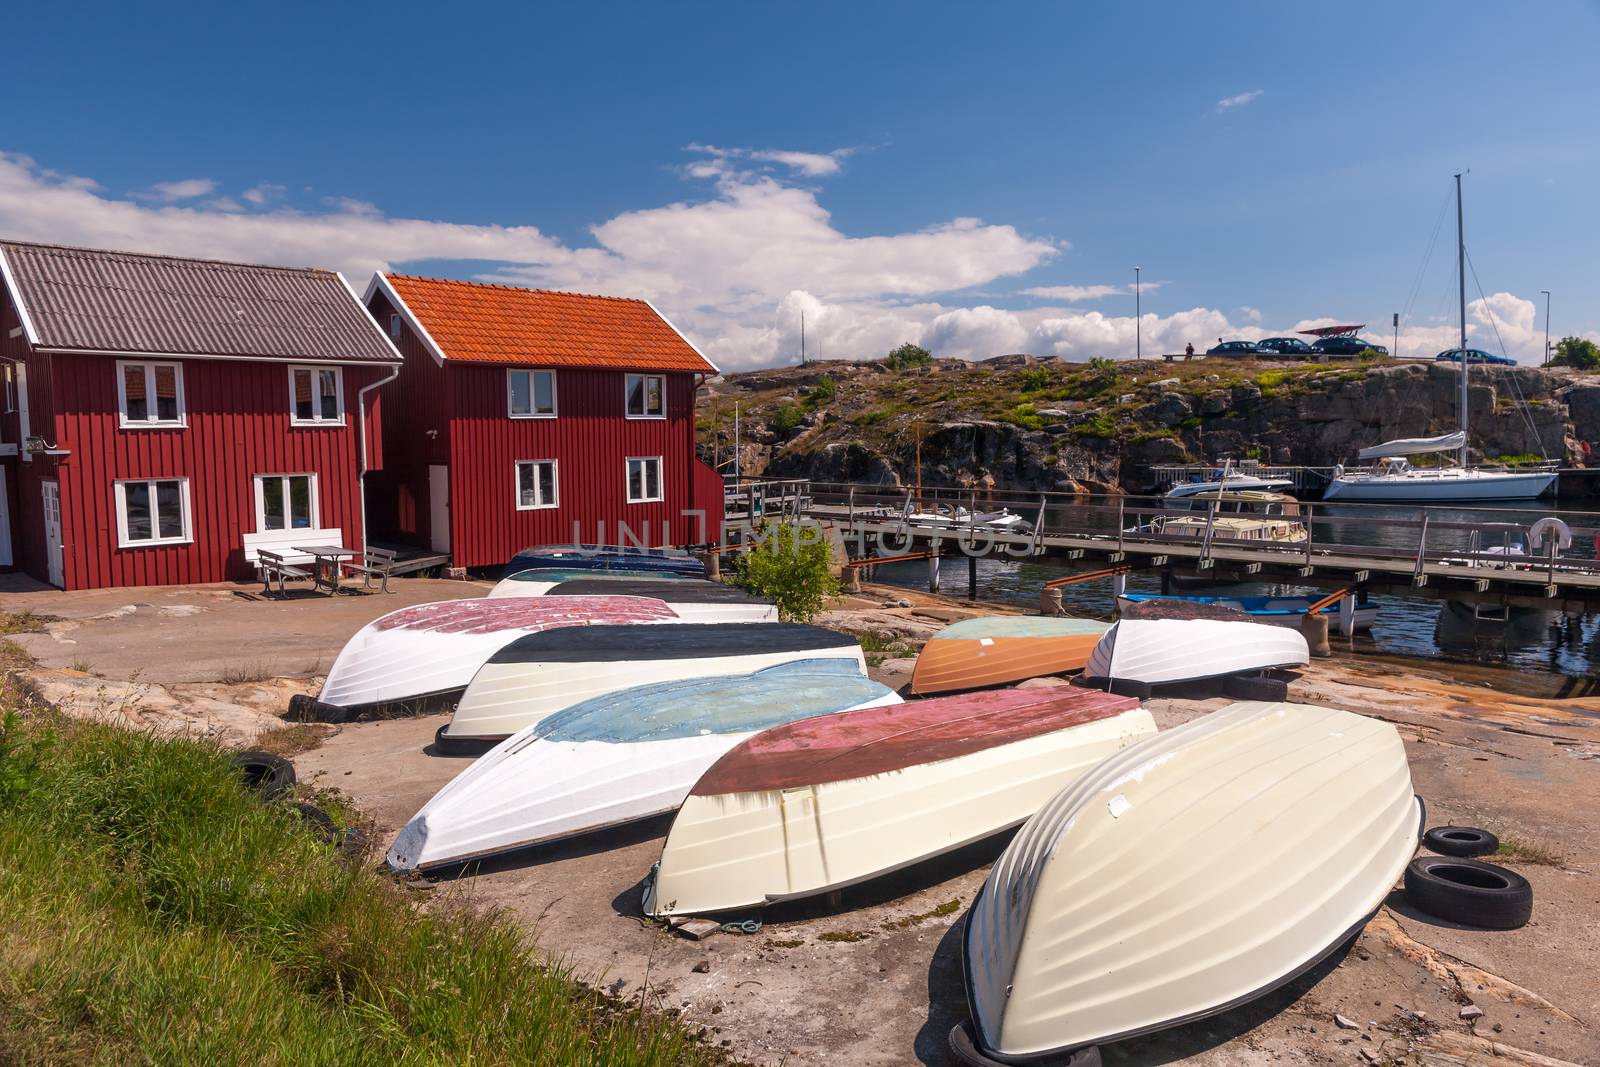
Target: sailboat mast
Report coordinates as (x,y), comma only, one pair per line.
(1461,278)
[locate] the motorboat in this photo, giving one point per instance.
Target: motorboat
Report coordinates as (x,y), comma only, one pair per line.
(613,759)
(1233,514)
(538,581)
(1288,610)
(692,601)
(1393,478)
(947,517)
(1162,651)
(536,676)
(605,558)
(815,805)
(433,650)
(1187,874)
(1229,478)
(1000,649)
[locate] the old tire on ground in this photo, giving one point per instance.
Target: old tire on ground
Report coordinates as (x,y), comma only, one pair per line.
(1469,892)
(1127,687)
(964,1049)
(306,708)
(446,745)
(1249,687)
(1461,841)
(317,820)
(270,775)
(352,842)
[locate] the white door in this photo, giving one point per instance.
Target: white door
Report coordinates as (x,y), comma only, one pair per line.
(439,507)
(52,532)
(5,522)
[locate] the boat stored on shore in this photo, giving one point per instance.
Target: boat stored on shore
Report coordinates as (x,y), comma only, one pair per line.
(693,601)
(998,649)
(812,806)
(536,676)
(1162,651)
(1187,874)
(616,758)
(1288,610)
(605,558)
(538,581)
(431,650)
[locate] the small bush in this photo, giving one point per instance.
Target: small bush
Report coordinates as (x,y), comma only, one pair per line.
(1024,415)
(786,419)
(1102,365)
(907,356)
(1036,378)
(790,568)
(823,392)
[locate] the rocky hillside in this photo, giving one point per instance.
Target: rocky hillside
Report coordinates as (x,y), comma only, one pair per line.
(1030,423)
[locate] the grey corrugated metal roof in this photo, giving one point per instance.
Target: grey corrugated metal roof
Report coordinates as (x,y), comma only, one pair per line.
(104,301)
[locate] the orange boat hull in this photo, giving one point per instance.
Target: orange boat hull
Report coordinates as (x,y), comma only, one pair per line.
(947,665)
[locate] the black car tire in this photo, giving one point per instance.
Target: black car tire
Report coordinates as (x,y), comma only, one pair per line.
(1461,841)
(1245,687)
(964,1048)
(1469,892)
(1127,687)
(319,821)
(270,775)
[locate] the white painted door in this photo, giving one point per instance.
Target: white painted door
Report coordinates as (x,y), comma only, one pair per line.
(5,522)
(52,532)
(439,507)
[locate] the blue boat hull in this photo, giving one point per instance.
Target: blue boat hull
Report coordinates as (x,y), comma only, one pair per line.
(1286,609)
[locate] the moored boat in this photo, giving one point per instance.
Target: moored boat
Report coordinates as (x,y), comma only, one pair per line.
(1161,651)
(538,581)
(1288,610)
(430,650)
(693,601)
(1188,873)
(812,806)
(997,649)
(605,558)
(624,756)
(533,677)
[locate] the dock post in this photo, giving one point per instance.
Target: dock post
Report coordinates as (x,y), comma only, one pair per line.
(713,562)
(933,568)
(1314,628)
(1050,601)
(855,579)
(1347,616)
(972,577)
(1119,585)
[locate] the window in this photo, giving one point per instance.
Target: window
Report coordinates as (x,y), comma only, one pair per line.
(646,396)
(394,327)
(532,393)
(153,512)
(11,389)
(536,484)
(316,396)
(286,502)
(644,479)
(150,395)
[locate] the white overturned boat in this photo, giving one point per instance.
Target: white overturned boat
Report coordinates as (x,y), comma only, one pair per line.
(613,759)
(435,649)
(538,581)
(1160,651)
(542,673)
(1187,874)
(812,806)
(693,601)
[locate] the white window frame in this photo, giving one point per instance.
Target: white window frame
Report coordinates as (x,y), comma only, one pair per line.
(627,391)
(150,366)
(11,389)
(555,405)
(627,480)
(261,501)
(120,488)
(316,396)
(516,484)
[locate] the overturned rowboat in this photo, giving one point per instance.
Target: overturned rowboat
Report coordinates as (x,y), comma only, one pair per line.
(1187,874)
(1162,651)
(606,558)
(693,601)
(624,756)
(542,673)
(540,580)
(813,806)
(432,650)
(1000,649)
(1286,610)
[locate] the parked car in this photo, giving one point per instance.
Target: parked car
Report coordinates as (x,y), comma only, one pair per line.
(1286,346)
(1238,348)
(1474,355)
(1346,346)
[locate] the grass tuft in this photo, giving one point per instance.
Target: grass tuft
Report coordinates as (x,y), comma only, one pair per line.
(240,673)
(1514,850)
(949,907)
(291,739)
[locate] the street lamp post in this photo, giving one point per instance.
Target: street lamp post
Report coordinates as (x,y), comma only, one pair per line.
(1138,320)
(1546,293)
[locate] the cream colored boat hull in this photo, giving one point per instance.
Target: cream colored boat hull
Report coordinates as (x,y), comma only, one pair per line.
(743,849)
(1187,874)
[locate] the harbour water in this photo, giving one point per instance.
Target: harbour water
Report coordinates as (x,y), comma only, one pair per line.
(1407,626)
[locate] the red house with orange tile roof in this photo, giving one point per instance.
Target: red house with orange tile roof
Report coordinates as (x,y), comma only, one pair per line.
(526,416)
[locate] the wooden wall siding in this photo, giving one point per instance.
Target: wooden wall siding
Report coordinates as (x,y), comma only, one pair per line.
(27,514)
(238,427)
(413,404)
(590,440)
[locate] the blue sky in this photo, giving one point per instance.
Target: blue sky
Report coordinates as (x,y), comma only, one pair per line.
(979,179)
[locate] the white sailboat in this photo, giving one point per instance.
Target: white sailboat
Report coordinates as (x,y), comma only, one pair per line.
(1393,478)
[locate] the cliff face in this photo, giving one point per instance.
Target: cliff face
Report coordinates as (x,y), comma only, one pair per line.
(1026,423)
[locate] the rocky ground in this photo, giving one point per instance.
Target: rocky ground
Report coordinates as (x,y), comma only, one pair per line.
(1027,423)
(877,979)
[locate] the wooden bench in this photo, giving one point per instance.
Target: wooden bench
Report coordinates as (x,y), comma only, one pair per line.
(375,563)
(271,565)
(274,556)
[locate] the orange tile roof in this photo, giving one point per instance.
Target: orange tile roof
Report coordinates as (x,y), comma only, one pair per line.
(480,323)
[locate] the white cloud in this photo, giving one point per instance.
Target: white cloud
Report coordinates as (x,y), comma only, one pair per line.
(261,194)
(186,189)
(1077,294)
(807,164)
(1228,103)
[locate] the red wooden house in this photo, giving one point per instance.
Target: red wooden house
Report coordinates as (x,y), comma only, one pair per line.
(165,417)
(526,417)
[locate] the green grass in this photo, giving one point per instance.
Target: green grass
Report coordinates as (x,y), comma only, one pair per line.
(878,646)
(949,907)
(293,738)
(1518,851)
(152,911)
